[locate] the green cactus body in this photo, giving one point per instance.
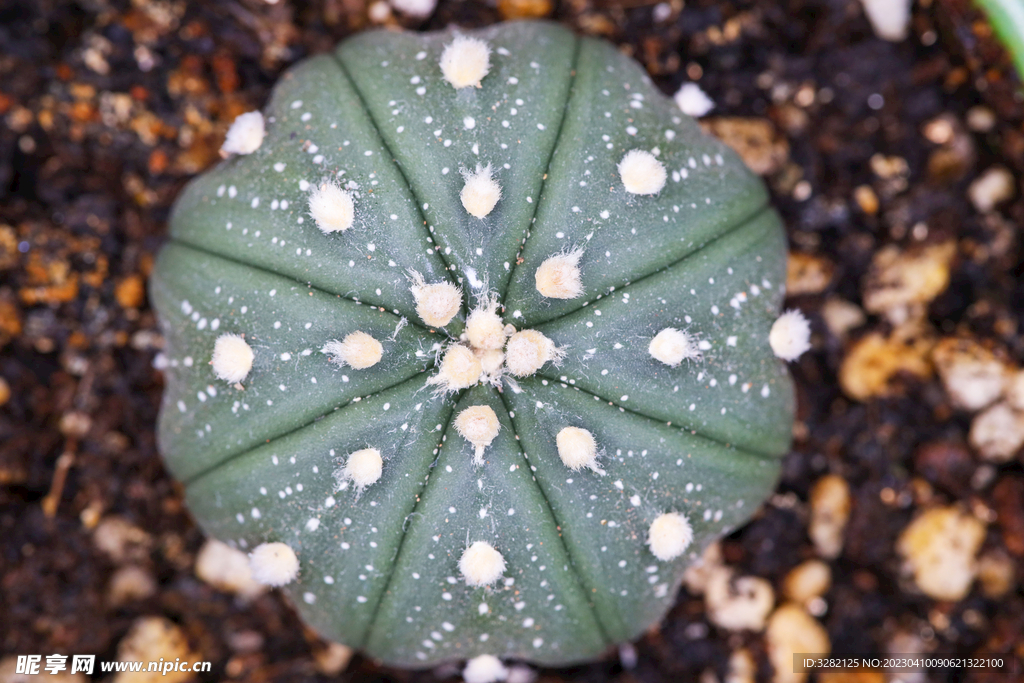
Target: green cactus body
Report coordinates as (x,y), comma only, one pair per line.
(555,517)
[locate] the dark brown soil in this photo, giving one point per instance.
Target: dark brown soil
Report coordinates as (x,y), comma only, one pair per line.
(110,106)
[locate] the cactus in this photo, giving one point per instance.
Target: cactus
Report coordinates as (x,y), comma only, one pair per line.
(470,337)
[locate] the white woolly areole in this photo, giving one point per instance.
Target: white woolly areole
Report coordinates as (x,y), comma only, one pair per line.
(491,360)
(790,335)
(245,134)
(693,101)
(415,8)
(332,208)
(889,18)
(358,350)
(436,303)
(481,192)
(527,351)
(669,536)
(672,347)
(559,276)
(465,61)
(363,467)
(273,564)
(481,564)
(478,425)
(484,669)
(484,328)
(460,369)
(232,358)
(641,173)
(577,448)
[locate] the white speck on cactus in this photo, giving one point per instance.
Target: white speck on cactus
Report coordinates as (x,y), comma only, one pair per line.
(669,536)
(245,134)
(481,564)
(465,61)
(362,468)
(559,276)
(790,336)
(484,669)
(481,192)
(484,328)
(641,173)
(528,350)
(693,101)
(460,369)
(273,564)
(232,358)
(577,448)
(672,347)
(358,350)
(436,303)
(478,425)
(332,208)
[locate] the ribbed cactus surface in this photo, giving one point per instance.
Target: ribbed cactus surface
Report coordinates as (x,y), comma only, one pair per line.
(478,331)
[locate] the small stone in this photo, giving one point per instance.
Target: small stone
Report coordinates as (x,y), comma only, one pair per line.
(807,274)
(791,630)
(889,18)
(866,199)
(741,667)
(808,580)
(761,147)
(693,101)
(874,363)
(737,604)
(121,540)
(415,8)
(484,669)
(994,186)
(5,391)
(996,574)
(830,511)
(130,292)
(939,549)
(972,375)
(1014,389)
(997,434)
(900,284)
(841,316)
(75,424)
(130,583)
(981,119)
(524,9)
(227,569)
(332,659)
(149,640)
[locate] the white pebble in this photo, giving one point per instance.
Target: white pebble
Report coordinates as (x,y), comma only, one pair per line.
(693,101)
(484,669)
(939,549)
(889,18)
(415,8)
